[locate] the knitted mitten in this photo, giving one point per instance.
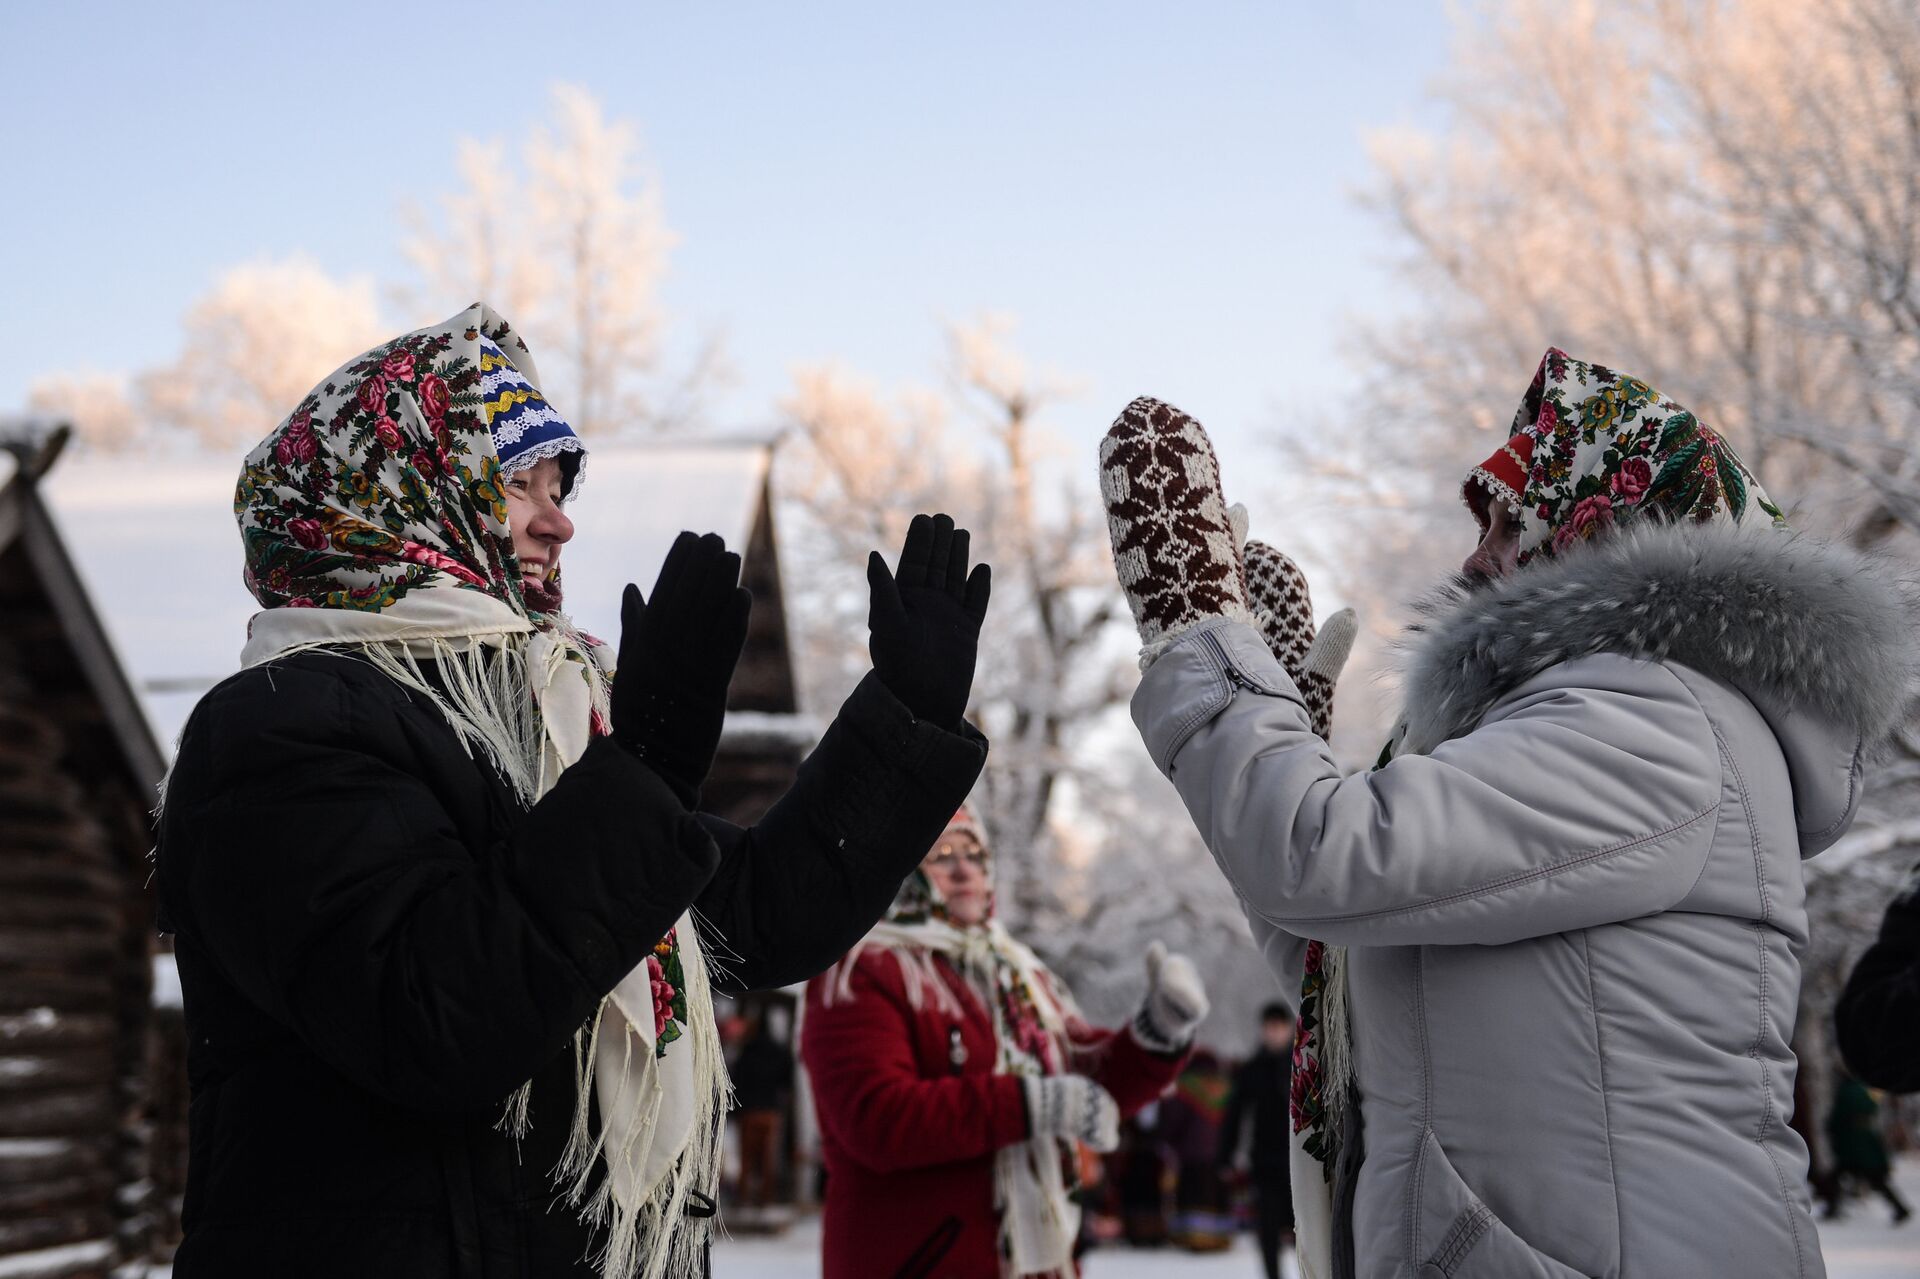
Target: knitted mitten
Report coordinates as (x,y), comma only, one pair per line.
(1175,1005)
(1074,1107)
(1284,613)
(1173,545)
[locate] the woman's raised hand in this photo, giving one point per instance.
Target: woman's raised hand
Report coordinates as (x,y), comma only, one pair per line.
(924,619)
(1175,1005)
(677,654)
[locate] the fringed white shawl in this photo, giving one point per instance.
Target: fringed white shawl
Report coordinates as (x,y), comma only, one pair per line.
(524,699)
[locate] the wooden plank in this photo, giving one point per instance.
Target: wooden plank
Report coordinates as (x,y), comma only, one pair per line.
(53,1230)
(80,1066)
(22,991)
(73,1193)
(58,1114)
(23,948)
(88,1259)
(42,1029)
(30,1160)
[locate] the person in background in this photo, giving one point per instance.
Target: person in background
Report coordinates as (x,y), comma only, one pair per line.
(1878,1018)
(1141,1173)
(762,1086)
(1859,1149)
(1257,1109)
(1190,1122)
(952,1074)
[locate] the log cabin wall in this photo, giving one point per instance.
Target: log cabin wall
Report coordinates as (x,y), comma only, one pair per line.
(76,939)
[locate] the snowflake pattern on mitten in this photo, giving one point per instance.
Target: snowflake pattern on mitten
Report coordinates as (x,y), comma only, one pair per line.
(1283,613)
(1173,545)
(1282,605)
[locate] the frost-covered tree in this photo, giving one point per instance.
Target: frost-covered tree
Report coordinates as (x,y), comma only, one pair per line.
(256,342)
(566,236)
(98,405)
(1094,859)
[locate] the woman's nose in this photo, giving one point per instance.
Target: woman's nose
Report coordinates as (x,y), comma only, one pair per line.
(552,525)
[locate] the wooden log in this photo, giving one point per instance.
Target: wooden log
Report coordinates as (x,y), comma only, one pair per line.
(64,947)
(58,1113)
(75,1067)
(23,990)
(43,1028)
(50,1231)
(55,1195)
(30,1160)
(22,873)
(61,910)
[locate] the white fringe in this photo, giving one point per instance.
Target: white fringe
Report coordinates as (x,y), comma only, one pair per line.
(489,701)
(1336,1045)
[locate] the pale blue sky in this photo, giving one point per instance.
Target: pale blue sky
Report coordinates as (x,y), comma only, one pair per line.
(1162,194)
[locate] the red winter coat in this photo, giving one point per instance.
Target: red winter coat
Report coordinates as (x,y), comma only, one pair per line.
(908,1133)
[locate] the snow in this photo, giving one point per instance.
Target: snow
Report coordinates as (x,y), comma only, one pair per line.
(156,547)
(1863,1246)
(166,983)
(796,1255)
(767,726)
(56,1261)
(33,1147)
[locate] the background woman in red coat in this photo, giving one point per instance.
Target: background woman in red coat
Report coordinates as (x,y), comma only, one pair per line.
(951,1073)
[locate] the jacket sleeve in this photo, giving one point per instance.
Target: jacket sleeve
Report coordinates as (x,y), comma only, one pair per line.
(871,1098)
(329,884)
(1878,1018)
(796,890)
(1131,1074)
(1588,795)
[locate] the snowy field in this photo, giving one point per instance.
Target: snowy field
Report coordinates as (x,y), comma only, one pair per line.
(1864,1246)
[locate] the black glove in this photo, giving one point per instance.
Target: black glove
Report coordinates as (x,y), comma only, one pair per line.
(925,619)
(677,654)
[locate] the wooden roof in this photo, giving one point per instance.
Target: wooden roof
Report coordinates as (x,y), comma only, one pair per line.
(54,635)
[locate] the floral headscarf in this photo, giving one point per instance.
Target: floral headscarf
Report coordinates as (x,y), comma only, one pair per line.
(386,479)
(1592,448)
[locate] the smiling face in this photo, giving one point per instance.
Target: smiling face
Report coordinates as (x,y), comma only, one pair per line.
(540,528)
(957,866)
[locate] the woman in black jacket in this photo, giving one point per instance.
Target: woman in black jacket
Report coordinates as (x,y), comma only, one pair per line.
(424,845)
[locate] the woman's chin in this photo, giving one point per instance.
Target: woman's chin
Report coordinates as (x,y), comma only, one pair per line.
(540,597)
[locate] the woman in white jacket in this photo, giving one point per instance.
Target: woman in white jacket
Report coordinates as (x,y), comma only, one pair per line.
(1566,916)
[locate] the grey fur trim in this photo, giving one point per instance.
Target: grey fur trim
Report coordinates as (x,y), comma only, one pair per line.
(1808,624)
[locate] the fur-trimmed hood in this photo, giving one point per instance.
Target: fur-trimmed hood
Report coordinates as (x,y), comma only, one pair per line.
(1807,630)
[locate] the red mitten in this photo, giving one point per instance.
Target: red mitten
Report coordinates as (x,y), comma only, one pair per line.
(1283,610)
(1173,544)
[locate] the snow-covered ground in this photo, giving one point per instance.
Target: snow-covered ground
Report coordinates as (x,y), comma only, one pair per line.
(1863,1246)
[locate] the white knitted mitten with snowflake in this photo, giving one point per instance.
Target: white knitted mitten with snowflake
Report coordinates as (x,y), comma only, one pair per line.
(1173,543)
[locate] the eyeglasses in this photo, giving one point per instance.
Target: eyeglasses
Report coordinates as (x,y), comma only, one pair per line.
(947,856)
